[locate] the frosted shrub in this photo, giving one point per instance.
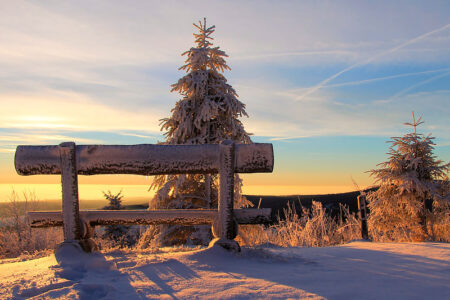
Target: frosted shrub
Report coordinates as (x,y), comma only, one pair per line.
(313,229)
(410,180)
(16,236)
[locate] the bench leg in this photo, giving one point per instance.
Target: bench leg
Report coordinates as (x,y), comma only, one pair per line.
(86,241)
(225,227)
(363,216)
(70,202)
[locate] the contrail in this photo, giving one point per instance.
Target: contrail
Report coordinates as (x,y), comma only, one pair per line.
(404,91)
(296,53)
(370,59)
(359,82)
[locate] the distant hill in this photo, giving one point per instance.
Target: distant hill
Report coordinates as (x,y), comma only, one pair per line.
(329,201)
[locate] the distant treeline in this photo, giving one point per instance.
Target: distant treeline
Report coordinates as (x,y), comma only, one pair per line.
(330,202)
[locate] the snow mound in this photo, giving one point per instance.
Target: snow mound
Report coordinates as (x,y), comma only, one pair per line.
(73,263)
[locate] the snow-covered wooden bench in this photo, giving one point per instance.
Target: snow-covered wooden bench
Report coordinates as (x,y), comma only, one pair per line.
(69,160)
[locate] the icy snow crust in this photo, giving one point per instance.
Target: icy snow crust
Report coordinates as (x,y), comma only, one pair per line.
(358,270)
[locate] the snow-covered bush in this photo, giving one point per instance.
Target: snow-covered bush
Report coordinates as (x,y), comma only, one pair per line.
(412,203)
(314,228)
(208,113)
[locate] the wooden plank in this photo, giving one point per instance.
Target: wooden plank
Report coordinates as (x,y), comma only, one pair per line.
(150,217)
(144,159)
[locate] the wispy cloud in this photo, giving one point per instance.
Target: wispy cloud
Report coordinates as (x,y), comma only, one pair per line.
(327,117)
(54,79)
(371,59)
(39,139)
(365,81)
(419,84)
(290,137)
(73,112)
(295,53)
(137,135)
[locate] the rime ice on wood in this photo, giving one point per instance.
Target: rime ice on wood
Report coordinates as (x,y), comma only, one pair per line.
(226,158)
(225,227)
(69,182)
(144,159)
(246,216)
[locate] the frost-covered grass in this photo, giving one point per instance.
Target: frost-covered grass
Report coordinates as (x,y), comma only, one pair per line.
(17,239)
(313,229)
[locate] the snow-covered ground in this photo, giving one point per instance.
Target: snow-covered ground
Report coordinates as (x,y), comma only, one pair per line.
(358,270)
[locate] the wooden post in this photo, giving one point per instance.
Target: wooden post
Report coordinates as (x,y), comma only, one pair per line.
(363,216)
(225,227)
(70,202)
(208,190)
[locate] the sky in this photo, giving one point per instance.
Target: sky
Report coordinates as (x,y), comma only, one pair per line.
(326,82)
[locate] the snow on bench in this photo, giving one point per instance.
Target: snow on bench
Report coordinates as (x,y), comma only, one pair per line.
(69,160)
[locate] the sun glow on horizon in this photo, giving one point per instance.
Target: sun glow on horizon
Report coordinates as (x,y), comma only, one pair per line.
(141,192)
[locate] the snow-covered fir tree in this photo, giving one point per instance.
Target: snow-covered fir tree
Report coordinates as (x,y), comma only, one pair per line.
(207,113)
(414,190)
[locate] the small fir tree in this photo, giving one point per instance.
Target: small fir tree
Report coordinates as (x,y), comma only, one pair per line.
(208,113)
(410,182)
(115,201)
(117,233)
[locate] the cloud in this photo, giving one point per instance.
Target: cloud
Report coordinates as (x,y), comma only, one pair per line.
(71,111)
(321,53)
(138,135)
(275,113)
(419,84)
(108,68)
(371,59)
(365,81)
(9,142)
(40,139)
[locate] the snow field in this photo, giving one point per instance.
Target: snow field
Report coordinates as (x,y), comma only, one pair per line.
(358,270)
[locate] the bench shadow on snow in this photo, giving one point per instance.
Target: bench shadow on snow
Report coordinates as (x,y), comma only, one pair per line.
(162,272)
(330,271)
(91,275)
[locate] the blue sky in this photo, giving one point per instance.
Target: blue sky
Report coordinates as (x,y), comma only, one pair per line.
(327,82)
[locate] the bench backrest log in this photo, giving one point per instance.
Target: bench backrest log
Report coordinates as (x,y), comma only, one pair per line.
(145,159)
(71,160)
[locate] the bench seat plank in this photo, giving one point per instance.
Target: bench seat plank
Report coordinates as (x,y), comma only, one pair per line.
(150,217)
